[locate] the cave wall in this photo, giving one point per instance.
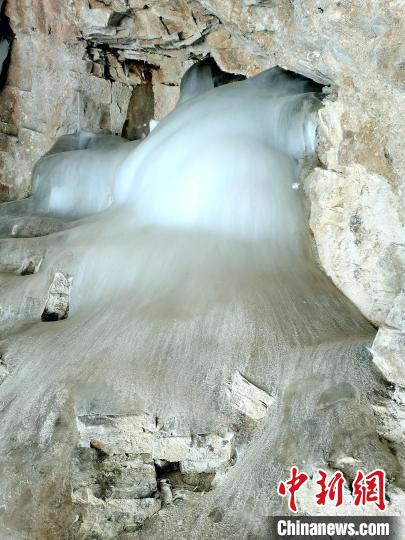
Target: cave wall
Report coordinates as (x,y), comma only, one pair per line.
(112,65)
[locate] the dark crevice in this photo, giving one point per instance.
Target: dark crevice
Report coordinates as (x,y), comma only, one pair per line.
(6,35)
(194,18)
(49,316)
(164,468)
(143,68)
(171,474)
(164,25)
(140,112)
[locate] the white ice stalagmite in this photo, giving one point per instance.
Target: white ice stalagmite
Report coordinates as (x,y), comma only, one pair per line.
(273,110)
(222,163)
(188,259)
(76,183)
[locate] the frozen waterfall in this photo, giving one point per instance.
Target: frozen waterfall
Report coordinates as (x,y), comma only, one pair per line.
(181,260)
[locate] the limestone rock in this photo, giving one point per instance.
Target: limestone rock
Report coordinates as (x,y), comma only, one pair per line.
(57,304)
(117,434)
(30,266)
(108,519)
(359,241)
(138,435)
(125,469)
(197,454)
(247,398)
(389,346)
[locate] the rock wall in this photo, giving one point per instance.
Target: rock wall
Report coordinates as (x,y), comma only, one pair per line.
(112,65)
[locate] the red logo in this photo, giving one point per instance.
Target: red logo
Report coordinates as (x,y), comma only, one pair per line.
(330,490)
(291,486)
(367,489)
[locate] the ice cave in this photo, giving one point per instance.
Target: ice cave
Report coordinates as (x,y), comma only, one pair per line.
(202,258)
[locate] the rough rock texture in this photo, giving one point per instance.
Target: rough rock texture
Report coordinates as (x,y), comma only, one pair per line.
(249,400)
(128,467)
(57,303)
(49,90)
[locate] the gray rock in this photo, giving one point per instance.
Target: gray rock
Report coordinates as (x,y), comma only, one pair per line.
(57,304)
(250,400)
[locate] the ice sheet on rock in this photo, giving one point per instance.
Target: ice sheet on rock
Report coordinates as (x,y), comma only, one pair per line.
(195,264)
